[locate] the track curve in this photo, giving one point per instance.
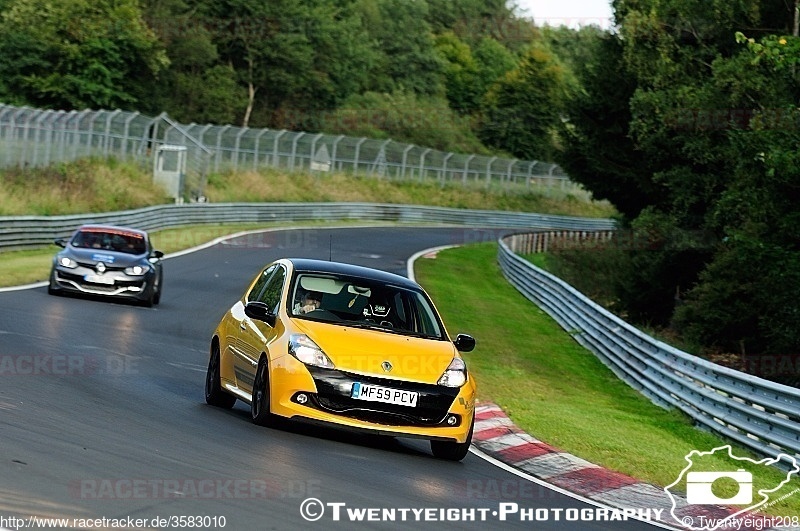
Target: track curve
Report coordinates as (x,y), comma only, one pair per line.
(102,412)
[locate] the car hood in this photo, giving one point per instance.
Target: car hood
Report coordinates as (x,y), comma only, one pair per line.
(112,258)
(364,351)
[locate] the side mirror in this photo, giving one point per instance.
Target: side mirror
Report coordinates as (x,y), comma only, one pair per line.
(259,311)
(464,343)
(155,256)
(61,242)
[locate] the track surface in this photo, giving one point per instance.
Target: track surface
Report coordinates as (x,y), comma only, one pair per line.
(102,411)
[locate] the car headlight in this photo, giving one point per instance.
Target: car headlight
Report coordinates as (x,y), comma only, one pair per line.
(136,270)
(66,261)
(304,349)
(455,375)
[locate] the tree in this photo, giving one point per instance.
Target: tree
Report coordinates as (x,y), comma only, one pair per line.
(404,39)
(597,150)
(76,54)
(461,73)
(523,108)
(266,46)
(692,145)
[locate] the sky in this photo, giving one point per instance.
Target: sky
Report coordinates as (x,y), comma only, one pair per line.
(572,13)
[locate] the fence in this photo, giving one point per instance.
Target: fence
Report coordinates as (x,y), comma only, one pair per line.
(759,414)
(20,232)
(32,137)
(541,242)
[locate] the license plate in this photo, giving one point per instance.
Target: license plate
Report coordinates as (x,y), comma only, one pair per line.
(376,393)
(97,279)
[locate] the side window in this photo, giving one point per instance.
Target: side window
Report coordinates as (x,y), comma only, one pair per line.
(260,283)
(428,323)
(271,295)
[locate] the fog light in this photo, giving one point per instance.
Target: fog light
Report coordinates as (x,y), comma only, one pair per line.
(452,420)
(302,398)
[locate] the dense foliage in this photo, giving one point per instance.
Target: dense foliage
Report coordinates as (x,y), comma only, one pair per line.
(687,122)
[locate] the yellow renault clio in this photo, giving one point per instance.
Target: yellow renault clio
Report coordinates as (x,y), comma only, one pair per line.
(351,346)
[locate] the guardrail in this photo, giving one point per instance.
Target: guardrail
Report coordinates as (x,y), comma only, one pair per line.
(22,232)
(761,415)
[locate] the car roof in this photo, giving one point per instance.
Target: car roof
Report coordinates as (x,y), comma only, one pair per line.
(110,228)
(307,265)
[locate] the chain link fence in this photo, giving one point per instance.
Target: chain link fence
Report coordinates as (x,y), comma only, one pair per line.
(34,137)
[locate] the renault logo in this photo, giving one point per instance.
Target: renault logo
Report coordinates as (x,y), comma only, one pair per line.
(386,366)
(101,267)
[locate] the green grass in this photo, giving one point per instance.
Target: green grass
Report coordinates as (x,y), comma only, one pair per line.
(95,185)
(86,185)
(555,389)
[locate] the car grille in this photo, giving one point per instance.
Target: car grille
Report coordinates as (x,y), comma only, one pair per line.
(79,280)
(333,395)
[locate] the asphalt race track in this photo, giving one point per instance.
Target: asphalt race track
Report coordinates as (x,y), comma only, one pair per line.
(102,412)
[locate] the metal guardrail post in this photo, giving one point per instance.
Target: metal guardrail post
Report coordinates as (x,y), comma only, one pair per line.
(422,170)
(404,160)
(257,148)
(489,172)
(107,135)
(294,150)
(357,155)
(333,150)
(236,146)
(275,152)
(466,169)
(218,152)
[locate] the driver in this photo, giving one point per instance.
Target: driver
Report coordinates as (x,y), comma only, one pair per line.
(311,302)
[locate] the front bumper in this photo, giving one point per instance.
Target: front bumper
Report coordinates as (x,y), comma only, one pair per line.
(116,283)
(441,413)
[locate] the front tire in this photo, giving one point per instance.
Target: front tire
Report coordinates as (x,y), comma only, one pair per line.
(158,289)
(259,403)
(215,396)
(453,451)
(52,285)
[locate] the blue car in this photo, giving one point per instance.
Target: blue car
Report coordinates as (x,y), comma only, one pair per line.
(108,261)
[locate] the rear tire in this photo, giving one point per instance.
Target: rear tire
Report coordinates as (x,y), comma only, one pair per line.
(453,451)
(259,403)
(215,396)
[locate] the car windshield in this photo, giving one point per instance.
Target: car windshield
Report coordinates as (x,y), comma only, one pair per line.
(364,303)
(110,240)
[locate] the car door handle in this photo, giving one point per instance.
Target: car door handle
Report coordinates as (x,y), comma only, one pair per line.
(243,326)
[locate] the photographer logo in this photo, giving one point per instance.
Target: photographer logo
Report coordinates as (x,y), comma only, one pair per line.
(735,485)
(699,487)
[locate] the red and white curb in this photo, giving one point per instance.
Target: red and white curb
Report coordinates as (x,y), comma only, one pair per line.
(497,436)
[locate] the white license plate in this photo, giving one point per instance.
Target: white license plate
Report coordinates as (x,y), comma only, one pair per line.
(376,393)
(97,279)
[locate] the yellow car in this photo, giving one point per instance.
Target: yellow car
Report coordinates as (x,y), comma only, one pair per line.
(347,346)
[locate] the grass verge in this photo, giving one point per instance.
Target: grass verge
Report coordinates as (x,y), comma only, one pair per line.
(560,392)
